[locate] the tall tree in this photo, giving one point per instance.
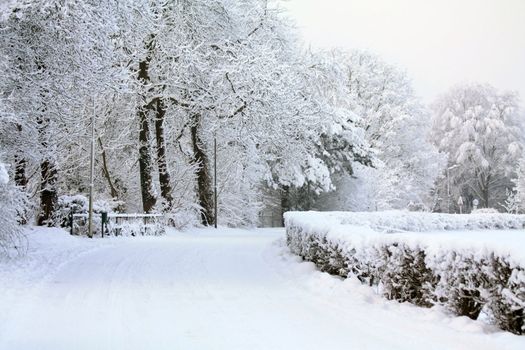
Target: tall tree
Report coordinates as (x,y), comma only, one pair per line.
(13,202)
(145,157)
(478,127)
(57,56)
(396,126)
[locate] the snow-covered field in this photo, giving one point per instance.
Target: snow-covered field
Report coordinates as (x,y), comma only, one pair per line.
(206,289)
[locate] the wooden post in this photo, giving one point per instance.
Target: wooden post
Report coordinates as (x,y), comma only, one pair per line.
(92,173)
(104,219)
(215,177)
(71,221)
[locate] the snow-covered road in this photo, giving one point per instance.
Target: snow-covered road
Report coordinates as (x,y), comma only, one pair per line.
(226,289)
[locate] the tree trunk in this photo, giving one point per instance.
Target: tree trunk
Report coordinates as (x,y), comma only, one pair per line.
(48,176)
(204,183)
(285,201)
(48,194)
(21,178)
(20,168)
(20,171)
(485,190)
(146,180)
(164,176)
(105,170)
(21,181)
(485,198)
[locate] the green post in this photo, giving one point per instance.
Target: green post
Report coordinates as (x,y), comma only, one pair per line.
(104,221)
(71,221)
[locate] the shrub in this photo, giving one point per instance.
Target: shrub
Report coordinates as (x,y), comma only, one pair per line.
(507,296)
(79,204)
(406,276)
(464,281)
(460,283)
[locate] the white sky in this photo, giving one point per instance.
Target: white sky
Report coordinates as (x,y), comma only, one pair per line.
(438,42)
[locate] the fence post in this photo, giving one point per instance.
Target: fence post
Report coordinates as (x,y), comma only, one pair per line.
(71,222)
(104,221)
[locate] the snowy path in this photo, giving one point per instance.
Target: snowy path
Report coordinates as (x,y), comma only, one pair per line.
(228,290)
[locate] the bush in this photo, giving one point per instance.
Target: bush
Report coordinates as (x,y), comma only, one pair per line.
(507,296)
(460,283)
(405,276)
(464,281)
(79,204)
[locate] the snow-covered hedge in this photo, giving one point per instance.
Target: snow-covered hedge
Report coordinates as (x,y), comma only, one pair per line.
(394,221)
(466,276)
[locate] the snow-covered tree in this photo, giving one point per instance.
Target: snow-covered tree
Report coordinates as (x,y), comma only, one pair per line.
(515,202)
(56,56)
(245,83)
(478,127)
(327,128)
(165,79)
(396,126)
(12,208)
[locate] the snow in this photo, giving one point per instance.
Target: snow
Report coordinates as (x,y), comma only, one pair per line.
(397,221)
(501,233)
(45,251)
(206,289)
(4,176)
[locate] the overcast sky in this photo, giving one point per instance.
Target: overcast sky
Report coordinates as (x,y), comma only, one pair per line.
(438,42)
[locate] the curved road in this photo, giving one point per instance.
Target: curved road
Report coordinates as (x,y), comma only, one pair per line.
(207,290)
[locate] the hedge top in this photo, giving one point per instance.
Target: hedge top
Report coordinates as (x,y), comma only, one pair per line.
(500,233)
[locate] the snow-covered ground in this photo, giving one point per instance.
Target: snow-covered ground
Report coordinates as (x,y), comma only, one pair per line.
(206,289)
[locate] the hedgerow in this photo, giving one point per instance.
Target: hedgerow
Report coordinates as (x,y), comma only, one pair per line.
(466,281)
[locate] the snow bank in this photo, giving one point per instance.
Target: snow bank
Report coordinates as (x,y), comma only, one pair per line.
(468,272)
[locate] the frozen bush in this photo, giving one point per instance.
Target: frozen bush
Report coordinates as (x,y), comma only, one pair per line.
(79,204)
(405,276)
(407,268)
(65,205)
(506,300)
(460,283)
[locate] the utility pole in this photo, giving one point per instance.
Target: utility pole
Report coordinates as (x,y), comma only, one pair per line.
(448,191)
(92,173)
(215,177)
